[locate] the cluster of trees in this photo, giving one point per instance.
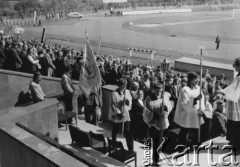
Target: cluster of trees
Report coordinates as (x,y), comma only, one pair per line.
(26,7)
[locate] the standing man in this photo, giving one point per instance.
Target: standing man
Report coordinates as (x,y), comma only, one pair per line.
(157,119)
(93,106)
(13,61)
(233,110)
(217,41)
(68,88)
(187,110)
(120,112)
(2,54)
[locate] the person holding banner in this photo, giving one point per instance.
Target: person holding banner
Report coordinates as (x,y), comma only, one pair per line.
(120,112)
(187,113)
(93,106)
(232,94)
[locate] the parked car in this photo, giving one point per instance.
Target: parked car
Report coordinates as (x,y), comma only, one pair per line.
(75,15)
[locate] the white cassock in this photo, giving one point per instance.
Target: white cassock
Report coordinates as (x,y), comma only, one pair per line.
(186,114)
(232,94)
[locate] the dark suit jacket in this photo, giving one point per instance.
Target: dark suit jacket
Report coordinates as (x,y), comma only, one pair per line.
(218,124)
(2,57)
(170,89)
(76,71)
(137,111)
(114,77)
(13,61)
(129,83)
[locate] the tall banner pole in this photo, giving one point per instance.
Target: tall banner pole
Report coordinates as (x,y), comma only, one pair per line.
(100,43)
(123,108)
(164,68)
(200,101)
(43,35)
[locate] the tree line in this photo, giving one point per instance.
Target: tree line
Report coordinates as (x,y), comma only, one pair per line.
(26,7)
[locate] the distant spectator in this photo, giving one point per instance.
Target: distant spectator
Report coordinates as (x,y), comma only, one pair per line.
(35,88)
(12,61)
(219,121)
(77,68)
(2,54)
(68,88)
(93,106)
(208,105)
(32,63)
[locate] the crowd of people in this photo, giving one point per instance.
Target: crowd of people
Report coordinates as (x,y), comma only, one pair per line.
(140,91)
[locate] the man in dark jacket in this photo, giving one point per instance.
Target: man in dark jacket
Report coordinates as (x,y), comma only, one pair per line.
(114,75)
(2,54)
(77,68)
(219,121)
(13,61)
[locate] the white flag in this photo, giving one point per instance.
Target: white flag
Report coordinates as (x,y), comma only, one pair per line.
(232,92)
(89,75)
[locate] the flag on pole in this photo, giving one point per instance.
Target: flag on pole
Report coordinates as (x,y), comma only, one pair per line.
(89,74)
(100,42)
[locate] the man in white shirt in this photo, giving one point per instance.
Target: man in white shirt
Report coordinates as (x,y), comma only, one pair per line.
(35,88)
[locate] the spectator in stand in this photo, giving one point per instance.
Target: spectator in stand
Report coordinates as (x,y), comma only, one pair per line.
(114,75)
(59,64)
(32,63)
(12,61)
(139,128)
(102,72)
(208,105)
(172,89)
(134,90)
(77,66)
(130,80)
(35,88)
(2,54)
(219,121)
(68,88)
(50,59)
(46,63)
(206,74)
(184,82)
(145,84)
(23,56)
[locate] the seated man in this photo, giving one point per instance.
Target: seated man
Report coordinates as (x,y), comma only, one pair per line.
(35,88)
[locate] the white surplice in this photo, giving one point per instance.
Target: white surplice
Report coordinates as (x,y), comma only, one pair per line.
(186,114)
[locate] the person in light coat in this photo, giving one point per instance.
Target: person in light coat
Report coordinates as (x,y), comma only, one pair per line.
(157,118)
(120,112)
(187,114)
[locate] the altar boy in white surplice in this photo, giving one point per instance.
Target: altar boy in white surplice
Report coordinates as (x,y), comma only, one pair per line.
(187,114)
